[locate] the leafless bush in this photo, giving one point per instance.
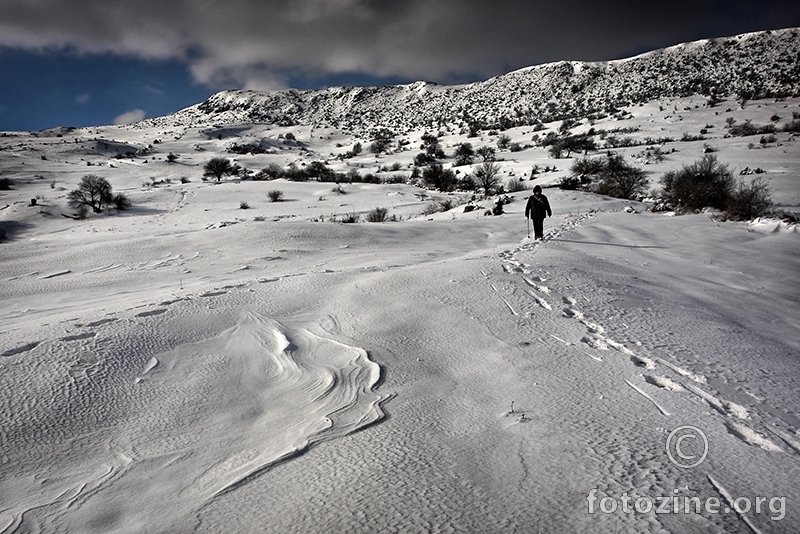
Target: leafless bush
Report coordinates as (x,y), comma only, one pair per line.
(749,200)
(377,215)
(705,183)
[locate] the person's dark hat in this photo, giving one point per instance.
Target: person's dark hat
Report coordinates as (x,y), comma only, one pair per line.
(537,189)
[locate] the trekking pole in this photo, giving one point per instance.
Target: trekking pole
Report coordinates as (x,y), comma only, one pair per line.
(529,227)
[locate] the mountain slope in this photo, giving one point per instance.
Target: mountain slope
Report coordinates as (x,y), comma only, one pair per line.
(755,65)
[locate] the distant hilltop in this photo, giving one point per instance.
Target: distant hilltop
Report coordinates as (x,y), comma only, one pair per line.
(748,66)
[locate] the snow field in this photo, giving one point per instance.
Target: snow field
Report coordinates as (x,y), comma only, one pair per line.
(188,365)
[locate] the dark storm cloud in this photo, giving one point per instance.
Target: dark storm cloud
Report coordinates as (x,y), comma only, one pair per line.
(265,44)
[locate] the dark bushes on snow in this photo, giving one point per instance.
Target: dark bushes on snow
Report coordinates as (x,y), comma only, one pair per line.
(464,154)
(705,183)
(793,126)
(439,178)
(571,183)
(121,201)
(377,215)
(749,200)
(93,192)
(749,128)
(218,167)
(709,183)
(350,218)
(611,176)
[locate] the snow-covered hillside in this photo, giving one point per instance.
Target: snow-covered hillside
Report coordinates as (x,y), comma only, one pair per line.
(211,360)
(756,65)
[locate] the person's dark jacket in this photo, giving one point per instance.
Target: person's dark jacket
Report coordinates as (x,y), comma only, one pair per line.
(538,207)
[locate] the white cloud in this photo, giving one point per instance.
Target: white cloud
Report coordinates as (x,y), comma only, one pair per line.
(83,98)
(130,116)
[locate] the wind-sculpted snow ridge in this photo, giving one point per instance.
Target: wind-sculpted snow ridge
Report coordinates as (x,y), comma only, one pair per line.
(748,66)
(195,422)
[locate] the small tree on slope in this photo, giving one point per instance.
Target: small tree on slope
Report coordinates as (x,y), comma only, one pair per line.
(217,167)
(486,176)
(93,192)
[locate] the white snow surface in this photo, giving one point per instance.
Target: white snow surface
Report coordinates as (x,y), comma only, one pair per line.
(190,366)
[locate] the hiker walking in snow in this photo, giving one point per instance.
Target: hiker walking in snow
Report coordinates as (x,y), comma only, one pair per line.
(537,209)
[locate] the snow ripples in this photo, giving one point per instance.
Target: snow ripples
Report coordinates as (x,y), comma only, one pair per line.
(208,417)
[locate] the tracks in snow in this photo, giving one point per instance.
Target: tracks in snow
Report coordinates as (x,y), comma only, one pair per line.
(659,378)
(596,340)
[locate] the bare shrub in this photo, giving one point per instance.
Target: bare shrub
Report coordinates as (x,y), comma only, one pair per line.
(766,139)
(438,177)
(431,208)
(121,201)
(486,176)
(377,215)
(503,141)
(448,204)
(275,195)
(611,176)
(270,172)
(515,184)
(571,183)
(350,218)
(749,200)
(793,126)
(464,154)
(705,183)
(748,128)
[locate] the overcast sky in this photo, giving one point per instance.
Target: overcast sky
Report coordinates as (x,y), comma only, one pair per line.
(90,62)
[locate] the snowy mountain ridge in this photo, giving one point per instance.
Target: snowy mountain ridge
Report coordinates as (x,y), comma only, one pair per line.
(748,66)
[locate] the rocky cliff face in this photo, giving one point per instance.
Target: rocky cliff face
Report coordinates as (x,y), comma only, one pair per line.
(749,66)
